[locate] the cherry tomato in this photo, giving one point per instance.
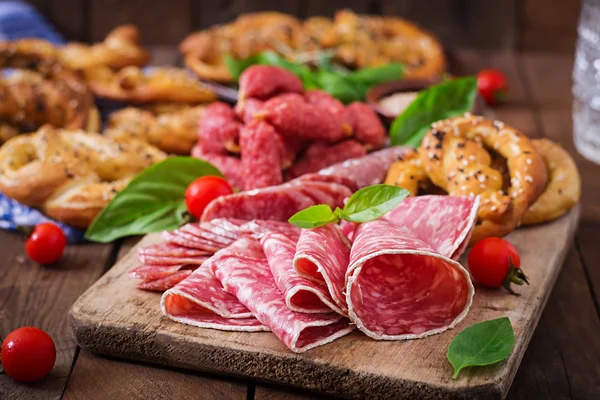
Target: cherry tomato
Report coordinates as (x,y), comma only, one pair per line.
(46,243)
(494,262)
(28,354)
(492,85)
(204,190)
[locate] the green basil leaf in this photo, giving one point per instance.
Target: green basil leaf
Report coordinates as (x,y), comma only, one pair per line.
(448,99)
(372,202)
(272,58)
(339,86)
(314,216)
(237,66)
(375,75)
(153,201)
(484,343)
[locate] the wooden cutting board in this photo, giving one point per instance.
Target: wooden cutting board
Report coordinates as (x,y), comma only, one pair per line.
(114,318)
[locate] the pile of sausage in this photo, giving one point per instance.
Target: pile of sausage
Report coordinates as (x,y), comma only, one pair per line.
(393,278)
(277,131)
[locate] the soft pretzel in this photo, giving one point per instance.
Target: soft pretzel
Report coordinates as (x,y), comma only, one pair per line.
(173,132)
(70,175)
(456,156)
(563,189)
(164,84)
(120,48)
(408,173)
(45,91)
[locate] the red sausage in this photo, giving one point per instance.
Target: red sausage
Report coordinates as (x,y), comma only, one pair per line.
(261,155)
(264,81)
(320,155)
(219,129)
(366,125)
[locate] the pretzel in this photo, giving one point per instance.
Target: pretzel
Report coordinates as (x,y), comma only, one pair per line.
(408,173)
(44,92)
(120,48)
(455,155)
(132,85)
(173,132)
(563,189)
(70,175)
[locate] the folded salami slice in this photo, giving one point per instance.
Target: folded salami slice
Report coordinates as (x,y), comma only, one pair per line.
(301,294)
(367,170)
(153,272)
(200,300)
(172,250)
(166,283)
(322,255)
(249,278)
(445,223)
(169,260)
(399,288)
(320,155)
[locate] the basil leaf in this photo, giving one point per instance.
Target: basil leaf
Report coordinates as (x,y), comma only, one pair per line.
(374,75)
(237,66)
(448,99)
(314,216)
(153,201)
(484,343)
(372,202)
(339,86)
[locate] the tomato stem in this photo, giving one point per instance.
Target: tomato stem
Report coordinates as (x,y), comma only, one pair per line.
(516,276)
(187,218)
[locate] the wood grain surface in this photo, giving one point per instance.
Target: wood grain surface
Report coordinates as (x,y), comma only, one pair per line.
(115,318)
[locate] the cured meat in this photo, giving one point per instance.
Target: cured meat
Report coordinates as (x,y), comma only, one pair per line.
(218,129)
(230,167)
(166,283)
(368,170)
(200,300)
(168,260)
(259,227)
(246,109)
(322,255)
(153,272)
(301,294)
(342,180)
(320,155)
(160,249)
(261,155)
(290,147)
(249,278)
(185,239)
(264,81)
(327,102)
(399,288)
(347,229)
(366,125)
(292,116)
(445,223)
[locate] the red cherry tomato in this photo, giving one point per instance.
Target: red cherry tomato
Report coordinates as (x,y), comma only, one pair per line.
(46,243)
(490,263)
(28,354)
(492,85)
(204,190)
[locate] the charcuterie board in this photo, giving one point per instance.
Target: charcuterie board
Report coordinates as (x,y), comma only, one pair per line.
(114,318)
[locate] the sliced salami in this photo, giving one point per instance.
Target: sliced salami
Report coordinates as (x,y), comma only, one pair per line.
(166,283)
(322,255)
(320,155)
(399,288)
(339,179)
(367,170)
(249,278)
(153,272)
(187,240)
(168,260)
(200,300)
(172,250)
(301,294)
(445,223)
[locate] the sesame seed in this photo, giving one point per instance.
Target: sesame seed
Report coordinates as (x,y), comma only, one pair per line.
(482,178)
(465,163)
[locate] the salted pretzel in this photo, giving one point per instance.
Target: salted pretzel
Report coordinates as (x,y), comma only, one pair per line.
(563,189)
(173,132)
(408,173)
(42,90)
(248,35)
(456,156)
(70,175)
(161,84)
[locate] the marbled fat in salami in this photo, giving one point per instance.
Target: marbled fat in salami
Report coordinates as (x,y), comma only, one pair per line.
(399,288)
(301,294)
(445,223)
(322,255)
(367,170)
(200,300)
(166,283)
(320,155)
(261,155)
(249,278)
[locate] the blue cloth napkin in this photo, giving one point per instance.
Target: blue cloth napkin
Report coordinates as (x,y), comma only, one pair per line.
(20,20)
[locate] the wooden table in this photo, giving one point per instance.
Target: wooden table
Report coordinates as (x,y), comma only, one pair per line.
(563,359)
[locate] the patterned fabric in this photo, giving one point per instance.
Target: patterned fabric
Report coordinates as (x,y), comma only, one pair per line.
(19,20)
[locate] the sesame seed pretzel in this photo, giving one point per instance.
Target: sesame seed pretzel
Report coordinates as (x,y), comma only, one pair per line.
(70,175)
(455,154)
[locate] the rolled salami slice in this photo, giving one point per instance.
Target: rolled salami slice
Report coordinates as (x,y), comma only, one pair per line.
(249,278)
(301,294)
(200,300)
(399,288)
(322,255)
(445,223)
